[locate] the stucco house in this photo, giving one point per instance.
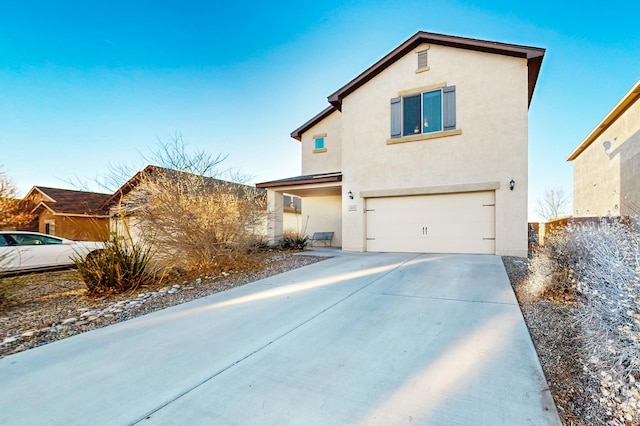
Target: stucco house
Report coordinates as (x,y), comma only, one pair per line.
(425,151)
(123,204)
(77,215)
(606,164)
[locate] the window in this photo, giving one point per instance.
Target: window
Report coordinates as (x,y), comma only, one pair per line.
(318,143)
(31,239)
(50,227)
(426,112)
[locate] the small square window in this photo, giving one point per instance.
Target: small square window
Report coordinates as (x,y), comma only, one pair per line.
(319,143)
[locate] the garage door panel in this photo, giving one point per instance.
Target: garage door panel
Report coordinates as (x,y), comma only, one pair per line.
(446,223)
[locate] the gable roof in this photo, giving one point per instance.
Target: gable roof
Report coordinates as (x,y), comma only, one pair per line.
(533,55)
(624,104)
(67,201)
(151,170)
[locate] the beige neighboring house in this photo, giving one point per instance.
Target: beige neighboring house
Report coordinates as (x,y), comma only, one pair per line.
(425,151)
(122,211)
(606,164)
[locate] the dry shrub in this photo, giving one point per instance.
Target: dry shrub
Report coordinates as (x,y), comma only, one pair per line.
(599,265)
(192,220)
(552,269)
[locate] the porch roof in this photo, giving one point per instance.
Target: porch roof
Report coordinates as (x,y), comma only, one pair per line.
(303,180)
(320,184)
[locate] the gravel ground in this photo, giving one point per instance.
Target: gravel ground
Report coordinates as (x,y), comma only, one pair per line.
(553,333)
(49,306)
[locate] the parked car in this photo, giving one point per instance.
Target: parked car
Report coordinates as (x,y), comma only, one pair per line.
(27,251)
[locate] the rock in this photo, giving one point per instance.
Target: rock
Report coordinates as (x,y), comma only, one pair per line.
(92,318)
(70,320)
(83,309)
(80,323)
(10,339)
(178,285)
(141,295)
(198,280)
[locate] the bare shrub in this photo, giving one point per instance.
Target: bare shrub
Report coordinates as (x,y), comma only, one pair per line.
(14,212)
(552,269)
(190,215)
(599,265)
(609,312)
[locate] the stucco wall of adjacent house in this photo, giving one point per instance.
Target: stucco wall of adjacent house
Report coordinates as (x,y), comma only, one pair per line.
(330,160)
(74,227)
(492,113)
(323,214)
(606,174)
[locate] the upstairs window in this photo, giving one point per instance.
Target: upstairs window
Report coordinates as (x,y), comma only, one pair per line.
(318,143)
(426,112)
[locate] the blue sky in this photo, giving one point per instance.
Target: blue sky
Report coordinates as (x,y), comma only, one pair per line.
(85,84)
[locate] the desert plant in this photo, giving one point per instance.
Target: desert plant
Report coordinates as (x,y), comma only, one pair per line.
(294,241)
(117,267)
(187,212)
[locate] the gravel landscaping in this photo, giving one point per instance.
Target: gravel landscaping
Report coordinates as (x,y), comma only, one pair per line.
(49,306)
(551,326)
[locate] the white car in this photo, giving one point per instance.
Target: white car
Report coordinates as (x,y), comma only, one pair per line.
(26,251)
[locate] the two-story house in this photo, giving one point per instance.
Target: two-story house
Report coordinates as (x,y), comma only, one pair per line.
(425,151)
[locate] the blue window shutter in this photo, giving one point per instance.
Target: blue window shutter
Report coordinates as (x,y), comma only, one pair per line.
(449,107)
(396,117)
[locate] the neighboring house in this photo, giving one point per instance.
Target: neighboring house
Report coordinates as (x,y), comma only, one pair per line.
(76,215)
(425,151)
(123,203)
(606,164)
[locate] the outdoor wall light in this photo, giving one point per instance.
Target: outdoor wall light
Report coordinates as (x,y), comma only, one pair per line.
(512,184)
(351,195)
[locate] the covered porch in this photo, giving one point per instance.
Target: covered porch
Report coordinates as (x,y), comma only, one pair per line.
(321,196)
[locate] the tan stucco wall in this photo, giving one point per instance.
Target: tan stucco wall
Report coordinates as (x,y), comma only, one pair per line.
(492,112)
(76,227)
(292,222)
(331,159)
(605,181)
(323,214)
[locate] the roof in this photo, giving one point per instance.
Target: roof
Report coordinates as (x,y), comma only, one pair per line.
(151,170)
(533,55)
(624,104)
(303,180)
(67,201)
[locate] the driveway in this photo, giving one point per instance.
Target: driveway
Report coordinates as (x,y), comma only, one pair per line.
(361,338)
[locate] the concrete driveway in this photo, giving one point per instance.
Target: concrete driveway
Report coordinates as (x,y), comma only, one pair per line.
(364,339)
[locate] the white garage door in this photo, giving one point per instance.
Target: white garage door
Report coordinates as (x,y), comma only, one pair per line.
(443,223)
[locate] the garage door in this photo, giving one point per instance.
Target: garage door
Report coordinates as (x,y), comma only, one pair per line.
(443,223)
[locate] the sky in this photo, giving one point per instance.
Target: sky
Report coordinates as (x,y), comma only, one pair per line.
(88,85)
